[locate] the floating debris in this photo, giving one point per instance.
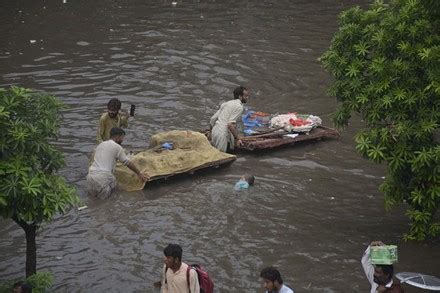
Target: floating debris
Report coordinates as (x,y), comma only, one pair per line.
(82,43)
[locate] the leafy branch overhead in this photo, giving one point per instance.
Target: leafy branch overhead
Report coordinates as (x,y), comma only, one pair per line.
(386,67)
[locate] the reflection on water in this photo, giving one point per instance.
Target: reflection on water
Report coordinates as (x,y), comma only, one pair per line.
(313,208)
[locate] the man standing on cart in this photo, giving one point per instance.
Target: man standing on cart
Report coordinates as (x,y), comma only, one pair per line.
(224,134)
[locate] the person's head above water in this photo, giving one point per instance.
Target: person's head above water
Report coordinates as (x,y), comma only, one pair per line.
(248,178)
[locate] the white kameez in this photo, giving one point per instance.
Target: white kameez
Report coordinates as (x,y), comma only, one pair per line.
(229,112)
(100,179)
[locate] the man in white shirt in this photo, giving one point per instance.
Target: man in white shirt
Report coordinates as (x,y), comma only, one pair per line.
(100,179)
(223,123)
(175,277)
(379,276)
(272,281)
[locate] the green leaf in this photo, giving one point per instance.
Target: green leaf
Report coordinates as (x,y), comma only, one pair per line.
(386,102)
(403,46)
(362,99)
(378,65)
(361,49)
(3,201)
(424,54)
(363,143)
(352,70)
(400,94)
(379,37)
(376,153)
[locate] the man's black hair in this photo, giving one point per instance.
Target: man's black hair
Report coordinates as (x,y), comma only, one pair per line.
(114,104)
(271,274)
(239,91)
(116,131)
(25,287)
(387,270)
(173,250)
(249,178)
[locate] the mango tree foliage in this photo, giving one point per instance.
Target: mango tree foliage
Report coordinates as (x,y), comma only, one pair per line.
(385,62)
(30,190)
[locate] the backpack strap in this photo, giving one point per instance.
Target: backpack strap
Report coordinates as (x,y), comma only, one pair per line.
(187,277)
(165,274)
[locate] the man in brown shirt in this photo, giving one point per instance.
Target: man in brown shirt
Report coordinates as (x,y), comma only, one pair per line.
(113,118)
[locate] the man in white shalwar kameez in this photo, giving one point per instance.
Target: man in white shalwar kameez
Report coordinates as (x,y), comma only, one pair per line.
(223,123)
(100,179)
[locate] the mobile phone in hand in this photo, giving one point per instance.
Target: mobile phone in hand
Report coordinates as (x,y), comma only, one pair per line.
(132,108)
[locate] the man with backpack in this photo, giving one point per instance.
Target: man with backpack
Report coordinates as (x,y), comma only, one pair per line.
(178,277)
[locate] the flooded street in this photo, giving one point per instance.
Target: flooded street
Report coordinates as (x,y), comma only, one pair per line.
(314,207)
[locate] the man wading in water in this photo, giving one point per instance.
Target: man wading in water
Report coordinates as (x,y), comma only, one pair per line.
(100,179)
(224,132)
(113,118)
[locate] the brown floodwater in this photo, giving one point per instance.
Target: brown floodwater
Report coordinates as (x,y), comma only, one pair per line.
(314,207)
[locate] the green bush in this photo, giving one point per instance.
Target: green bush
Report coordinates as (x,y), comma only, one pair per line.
(40,282)
(386,67)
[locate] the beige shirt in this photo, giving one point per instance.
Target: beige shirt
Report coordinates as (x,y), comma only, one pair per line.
(106,154)
(229,112)
(176,281)
(106,124)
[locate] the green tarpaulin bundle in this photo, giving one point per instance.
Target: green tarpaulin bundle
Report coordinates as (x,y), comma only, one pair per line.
(383,255)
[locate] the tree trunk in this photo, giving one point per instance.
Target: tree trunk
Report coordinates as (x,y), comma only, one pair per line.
(31,250)
(31,247)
